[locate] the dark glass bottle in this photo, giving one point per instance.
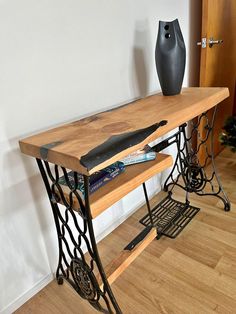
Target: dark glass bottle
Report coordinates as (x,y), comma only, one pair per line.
(170,57)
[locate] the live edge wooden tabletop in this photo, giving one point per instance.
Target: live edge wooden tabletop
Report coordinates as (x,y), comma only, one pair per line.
(67,144)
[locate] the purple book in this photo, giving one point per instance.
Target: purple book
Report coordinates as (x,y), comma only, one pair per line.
(96,180)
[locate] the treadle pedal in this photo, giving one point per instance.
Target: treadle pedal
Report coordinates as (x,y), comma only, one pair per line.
(170,217)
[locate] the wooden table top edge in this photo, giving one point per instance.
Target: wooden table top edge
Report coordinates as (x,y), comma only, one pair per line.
(29,145)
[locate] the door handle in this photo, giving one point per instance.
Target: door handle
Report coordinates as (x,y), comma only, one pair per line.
(202,43)
(214,42)
(211,42)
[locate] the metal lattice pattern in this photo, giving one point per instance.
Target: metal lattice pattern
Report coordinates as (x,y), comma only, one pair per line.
(192,175)
(75,231)
(170,217)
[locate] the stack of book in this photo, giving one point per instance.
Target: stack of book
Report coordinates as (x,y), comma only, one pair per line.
(102,177)
(96,180)
(142,155)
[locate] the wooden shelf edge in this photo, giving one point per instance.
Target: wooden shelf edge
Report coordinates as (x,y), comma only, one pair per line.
(117,266)
(113,191)
(126,182)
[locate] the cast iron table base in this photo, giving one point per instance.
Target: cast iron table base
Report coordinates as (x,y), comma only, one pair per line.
(75,231)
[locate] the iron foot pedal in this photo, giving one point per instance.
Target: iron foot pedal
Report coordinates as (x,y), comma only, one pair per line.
(170,217)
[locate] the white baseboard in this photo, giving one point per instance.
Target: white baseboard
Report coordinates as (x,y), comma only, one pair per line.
(14,305)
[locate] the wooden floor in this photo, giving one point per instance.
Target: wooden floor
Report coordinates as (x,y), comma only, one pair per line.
(195,273)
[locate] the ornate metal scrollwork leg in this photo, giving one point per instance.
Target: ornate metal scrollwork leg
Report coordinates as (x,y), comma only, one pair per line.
(188,173)
(75,237)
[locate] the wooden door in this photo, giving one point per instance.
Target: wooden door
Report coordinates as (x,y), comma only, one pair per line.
(218,62)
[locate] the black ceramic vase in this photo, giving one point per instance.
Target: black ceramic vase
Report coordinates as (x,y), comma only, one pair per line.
(170,57)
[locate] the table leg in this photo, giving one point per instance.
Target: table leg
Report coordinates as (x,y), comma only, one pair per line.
(187,172)
(79,262)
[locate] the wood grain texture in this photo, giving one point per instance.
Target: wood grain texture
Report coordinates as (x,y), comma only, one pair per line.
(127,181)
(218,64)
(195,273)
(117,266)
(66,145)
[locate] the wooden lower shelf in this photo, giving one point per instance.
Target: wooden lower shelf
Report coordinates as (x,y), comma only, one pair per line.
(115,268)
(113,191)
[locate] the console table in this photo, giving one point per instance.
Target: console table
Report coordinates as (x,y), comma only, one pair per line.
(90,144)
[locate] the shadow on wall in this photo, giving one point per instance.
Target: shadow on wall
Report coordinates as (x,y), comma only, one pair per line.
(142,53)
(44,215)
(195,17)
(22,195)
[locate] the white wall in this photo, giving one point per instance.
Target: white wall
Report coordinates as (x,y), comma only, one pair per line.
(60,60)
